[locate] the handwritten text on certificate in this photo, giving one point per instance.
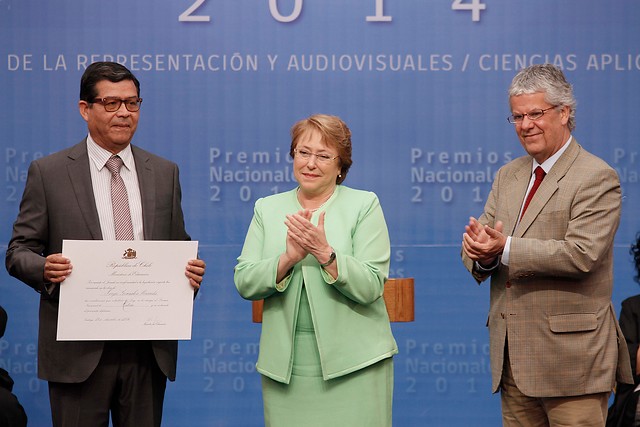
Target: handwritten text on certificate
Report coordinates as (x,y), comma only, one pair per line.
(126,290)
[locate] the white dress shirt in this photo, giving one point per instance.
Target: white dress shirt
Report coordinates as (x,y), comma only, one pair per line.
(546,166)
(101,182)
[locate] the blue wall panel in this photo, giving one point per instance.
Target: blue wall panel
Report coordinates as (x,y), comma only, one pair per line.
(422,86)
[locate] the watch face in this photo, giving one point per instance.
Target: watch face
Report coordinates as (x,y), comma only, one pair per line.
(332,258)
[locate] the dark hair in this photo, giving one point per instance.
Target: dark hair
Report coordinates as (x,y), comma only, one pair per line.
(3,321)
(635,253)
(335,133)
(99,71)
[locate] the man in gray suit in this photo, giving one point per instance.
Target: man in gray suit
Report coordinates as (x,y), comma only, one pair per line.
(67,196)
(556,347)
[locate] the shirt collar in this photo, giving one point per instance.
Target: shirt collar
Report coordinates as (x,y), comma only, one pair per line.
(548,164)
(99,155)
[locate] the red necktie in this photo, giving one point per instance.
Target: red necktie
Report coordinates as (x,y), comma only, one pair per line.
(540,173)
(120,201)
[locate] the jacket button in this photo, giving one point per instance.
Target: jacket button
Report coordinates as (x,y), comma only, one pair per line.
(508,284)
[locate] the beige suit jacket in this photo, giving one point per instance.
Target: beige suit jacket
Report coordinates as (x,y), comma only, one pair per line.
(553,302)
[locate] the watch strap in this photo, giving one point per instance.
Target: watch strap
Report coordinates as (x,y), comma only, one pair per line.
(332,258)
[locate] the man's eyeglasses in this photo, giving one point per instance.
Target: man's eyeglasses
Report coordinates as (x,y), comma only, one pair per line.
(320,158)
(112,104)
(532,115)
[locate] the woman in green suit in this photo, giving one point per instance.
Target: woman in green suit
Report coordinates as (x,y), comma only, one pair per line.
(319,257)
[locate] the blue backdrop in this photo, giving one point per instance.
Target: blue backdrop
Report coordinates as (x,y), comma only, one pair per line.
(422,84)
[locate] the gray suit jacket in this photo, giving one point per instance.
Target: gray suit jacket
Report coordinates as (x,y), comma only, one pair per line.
(553,302)
(58,203)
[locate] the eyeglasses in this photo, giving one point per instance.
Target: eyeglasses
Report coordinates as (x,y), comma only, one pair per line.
(532,115)
(320,158)
(112,104)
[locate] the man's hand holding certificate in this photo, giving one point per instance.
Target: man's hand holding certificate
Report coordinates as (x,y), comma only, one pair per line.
(126,290)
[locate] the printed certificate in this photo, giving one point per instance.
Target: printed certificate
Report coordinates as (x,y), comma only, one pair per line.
(126,290)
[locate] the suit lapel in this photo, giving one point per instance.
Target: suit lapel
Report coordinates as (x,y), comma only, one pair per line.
(548,187)
(146,180)
(80,177)
(515,194)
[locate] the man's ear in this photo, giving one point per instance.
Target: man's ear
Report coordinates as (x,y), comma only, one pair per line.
(565,113)
(83,107)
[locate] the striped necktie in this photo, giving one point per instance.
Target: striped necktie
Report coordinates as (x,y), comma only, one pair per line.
(119,201)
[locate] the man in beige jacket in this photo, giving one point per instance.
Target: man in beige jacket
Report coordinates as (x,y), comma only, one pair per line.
(556,347)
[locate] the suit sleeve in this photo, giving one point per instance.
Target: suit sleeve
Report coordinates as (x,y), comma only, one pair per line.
(178,230)
(255,276)
(487,218)
(361,276)
(24,259)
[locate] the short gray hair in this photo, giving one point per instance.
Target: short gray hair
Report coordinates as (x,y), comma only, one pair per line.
(550,80)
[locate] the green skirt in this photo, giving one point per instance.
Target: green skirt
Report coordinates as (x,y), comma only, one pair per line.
(361,398)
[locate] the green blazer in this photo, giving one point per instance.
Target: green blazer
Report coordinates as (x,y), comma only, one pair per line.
(349,314)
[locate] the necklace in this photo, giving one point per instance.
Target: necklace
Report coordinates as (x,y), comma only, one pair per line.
(314,209)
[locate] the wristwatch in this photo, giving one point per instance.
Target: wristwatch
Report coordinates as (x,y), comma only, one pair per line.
(332,258)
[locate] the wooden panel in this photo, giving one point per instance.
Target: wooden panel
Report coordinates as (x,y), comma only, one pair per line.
(256,308)
(398,297)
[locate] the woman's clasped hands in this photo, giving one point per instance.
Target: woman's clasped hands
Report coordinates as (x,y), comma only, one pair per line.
(305,238)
